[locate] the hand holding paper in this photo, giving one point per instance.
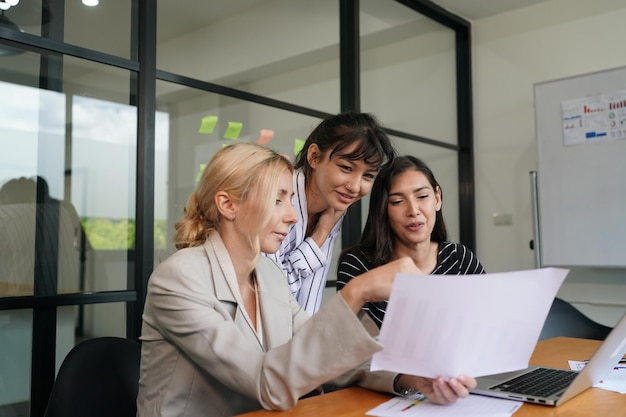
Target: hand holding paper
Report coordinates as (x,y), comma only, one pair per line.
(474,324)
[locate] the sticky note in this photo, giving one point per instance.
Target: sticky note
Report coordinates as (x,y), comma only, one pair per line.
(265,137)
(233,130)
(298,144)
(200,171)
(208,124)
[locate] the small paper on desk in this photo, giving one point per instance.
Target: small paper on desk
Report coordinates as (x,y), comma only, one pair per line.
(447,325)
(614,381)
(474,405)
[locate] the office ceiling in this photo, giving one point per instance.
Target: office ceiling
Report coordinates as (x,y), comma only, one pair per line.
(195,11)
(478,9)
(196,15)
(175,18)
(178,17)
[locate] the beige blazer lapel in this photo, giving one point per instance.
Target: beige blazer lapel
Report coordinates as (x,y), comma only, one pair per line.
(274,303)
(225,282)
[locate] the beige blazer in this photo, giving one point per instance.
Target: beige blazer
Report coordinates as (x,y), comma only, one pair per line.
(200,356)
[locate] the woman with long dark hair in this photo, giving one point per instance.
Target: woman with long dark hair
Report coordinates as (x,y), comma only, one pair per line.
(405,220)
(336,168)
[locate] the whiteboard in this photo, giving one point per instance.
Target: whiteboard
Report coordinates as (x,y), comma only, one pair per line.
(581,183)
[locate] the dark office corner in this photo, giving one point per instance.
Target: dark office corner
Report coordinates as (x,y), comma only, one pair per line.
(350,97)
(45,284)
(15,410)
(80,320)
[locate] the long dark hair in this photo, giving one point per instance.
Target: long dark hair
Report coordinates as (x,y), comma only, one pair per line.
(377,238)
(340,131)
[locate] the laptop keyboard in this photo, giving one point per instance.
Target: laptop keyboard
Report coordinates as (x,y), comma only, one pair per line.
(540,382)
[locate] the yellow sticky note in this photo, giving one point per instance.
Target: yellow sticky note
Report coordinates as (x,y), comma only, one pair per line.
(298,144)
(233,130)
(265,137)
(208,124)
(200,171)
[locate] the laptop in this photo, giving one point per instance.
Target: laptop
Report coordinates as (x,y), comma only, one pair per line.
(552,386)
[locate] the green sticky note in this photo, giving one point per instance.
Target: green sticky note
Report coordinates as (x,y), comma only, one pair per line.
(233,130)
(208,124)
(200,171)
(298,144)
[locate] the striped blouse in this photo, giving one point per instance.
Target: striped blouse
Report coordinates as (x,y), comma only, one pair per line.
(305,264)
(452,259)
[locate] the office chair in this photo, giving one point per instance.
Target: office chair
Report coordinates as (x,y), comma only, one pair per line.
(98,377)
(566,320)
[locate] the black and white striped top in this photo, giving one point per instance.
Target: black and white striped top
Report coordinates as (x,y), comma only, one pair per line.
(452,259)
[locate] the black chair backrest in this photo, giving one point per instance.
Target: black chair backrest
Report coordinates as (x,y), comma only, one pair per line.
(566,320)
(99,377)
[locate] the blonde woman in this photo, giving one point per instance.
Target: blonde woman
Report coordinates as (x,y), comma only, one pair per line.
(223,335)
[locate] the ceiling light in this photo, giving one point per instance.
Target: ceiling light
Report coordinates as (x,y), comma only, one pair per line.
(4,6)
(91,3)
(12,2)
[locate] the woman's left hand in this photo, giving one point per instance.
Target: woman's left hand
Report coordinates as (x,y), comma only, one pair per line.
(438,390)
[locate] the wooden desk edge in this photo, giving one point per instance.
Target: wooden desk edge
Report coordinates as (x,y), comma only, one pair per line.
(553,352)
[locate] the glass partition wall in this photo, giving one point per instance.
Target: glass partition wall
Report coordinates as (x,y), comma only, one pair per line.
(110,113)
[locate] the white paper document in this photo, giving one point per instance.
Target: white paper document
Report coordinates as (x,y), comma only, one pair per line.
(474,405)
(447,325)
